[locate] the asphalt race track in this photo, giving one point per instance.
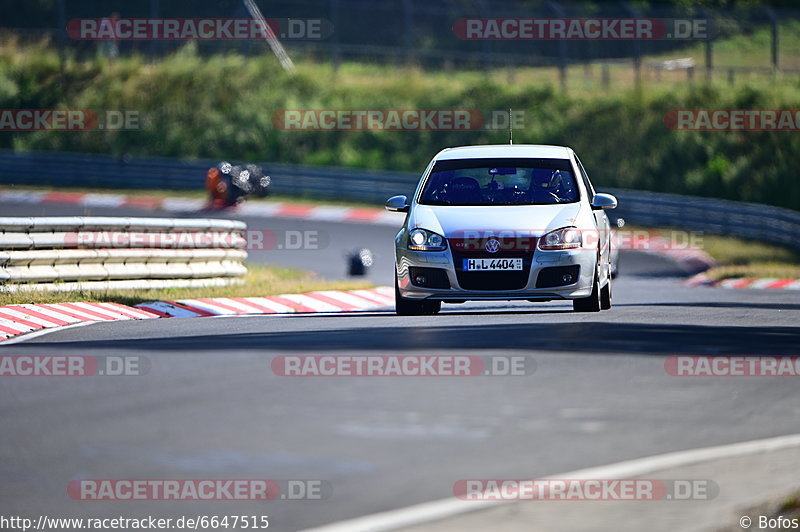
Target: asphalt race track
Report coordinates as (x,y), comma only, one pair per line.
(211,407)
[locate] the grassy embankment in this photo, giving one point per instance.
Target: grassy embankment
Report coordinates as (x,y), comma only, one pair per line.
(222,107)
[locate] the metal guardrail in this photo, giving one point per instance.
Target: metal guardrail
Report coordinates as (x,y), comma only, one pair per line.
(90,253)
(102,171)
(752,221)
(745,220)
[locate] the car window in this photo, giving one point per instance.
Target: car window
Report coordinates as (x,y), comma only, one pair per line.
(586,182)
(500,181)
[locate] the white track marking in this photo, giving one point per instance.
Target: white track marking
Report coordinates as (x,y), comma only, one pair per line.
(310,302)
(167,308)
(52,313)
(274,305)
(27,317)
(441,509)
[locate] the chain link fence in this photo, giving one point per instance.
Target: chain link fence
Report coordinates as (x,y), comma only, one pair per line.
(421,32)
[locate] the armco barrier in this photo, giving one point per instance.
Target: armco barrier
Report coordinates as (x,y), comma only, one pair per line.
(745,220)
(93,253)
(102,171)
(751,221)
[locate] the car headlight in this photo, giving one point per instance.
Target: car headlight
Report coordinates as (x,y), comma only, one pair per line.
(422,240)
(564,238)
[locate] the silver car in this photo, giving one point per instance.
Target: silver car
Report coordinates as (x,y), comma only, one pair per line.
(503,222)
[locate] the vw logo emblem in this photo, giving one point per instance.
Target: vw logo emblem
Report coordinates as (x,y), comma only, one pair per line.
(492,245)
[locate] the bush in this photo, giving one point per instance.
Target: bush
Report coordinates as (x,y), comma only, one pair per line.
(221,107)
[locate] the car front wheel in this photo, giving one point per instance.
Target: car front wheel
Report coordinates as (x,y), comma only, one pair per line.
(605,295)
(409,307)
(592,303)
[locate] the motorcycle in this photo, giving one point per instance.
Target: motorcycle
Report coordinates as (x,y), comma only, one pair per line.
(229,185)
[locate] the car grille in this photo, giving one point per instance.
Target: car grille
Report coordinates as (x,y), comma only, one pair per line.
(508,280)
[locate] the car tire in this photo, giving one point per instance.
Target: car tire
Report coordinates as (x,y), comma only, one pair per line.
(605,295)
(591,303)
(409,307)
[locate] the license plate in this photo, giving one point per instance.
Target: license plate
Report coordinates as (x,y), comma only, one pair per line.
(475,265)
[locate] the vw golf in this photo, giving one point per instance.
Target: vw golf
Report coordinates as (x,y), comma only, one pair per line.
(503,222)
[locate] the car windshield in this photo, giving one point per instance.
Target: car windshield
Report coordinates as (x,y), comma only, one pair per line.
(517,181)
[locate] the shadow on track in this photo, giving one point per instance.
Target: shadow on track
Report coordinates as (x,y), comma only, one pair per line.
(598,337)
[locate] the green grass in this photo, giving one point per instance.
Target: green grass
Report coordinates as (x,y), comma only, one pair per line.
(259,281)
(190,108)
(746,258)
(762,270)
(737,258)
(729,251)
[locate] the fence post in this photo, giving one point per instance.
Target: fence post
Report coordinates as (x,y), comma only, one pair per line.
(773,22)
(562,47)
(637,49)
(488,58)
(336,52)
(709,45)
(155,45)
(62,28)
(408,29)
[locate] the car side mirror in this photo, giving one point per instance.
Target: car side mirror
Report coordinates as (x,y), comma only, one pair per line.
(397,204)
(604,201)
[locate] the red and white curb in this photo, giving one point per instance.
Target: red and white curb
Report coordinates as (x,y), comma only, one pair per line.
(327,213)
(21,319)
(746,282)
(322,301)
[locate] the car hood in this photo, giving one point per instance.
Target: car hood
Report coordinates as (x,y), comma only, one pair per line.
(533,220)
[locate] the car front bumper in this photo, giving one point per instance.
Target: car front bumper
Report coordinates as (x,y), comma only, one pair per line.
(584,259)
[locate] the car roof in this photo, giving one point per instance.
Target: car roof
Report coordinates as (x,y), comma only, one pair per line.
(538,151)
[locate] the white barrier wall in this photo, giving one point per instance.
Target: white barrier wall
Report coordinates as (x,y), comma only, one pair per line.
(95,253)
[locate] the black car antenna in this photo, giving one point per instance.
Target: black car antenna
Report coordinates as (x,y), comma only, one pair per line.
(510,129)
